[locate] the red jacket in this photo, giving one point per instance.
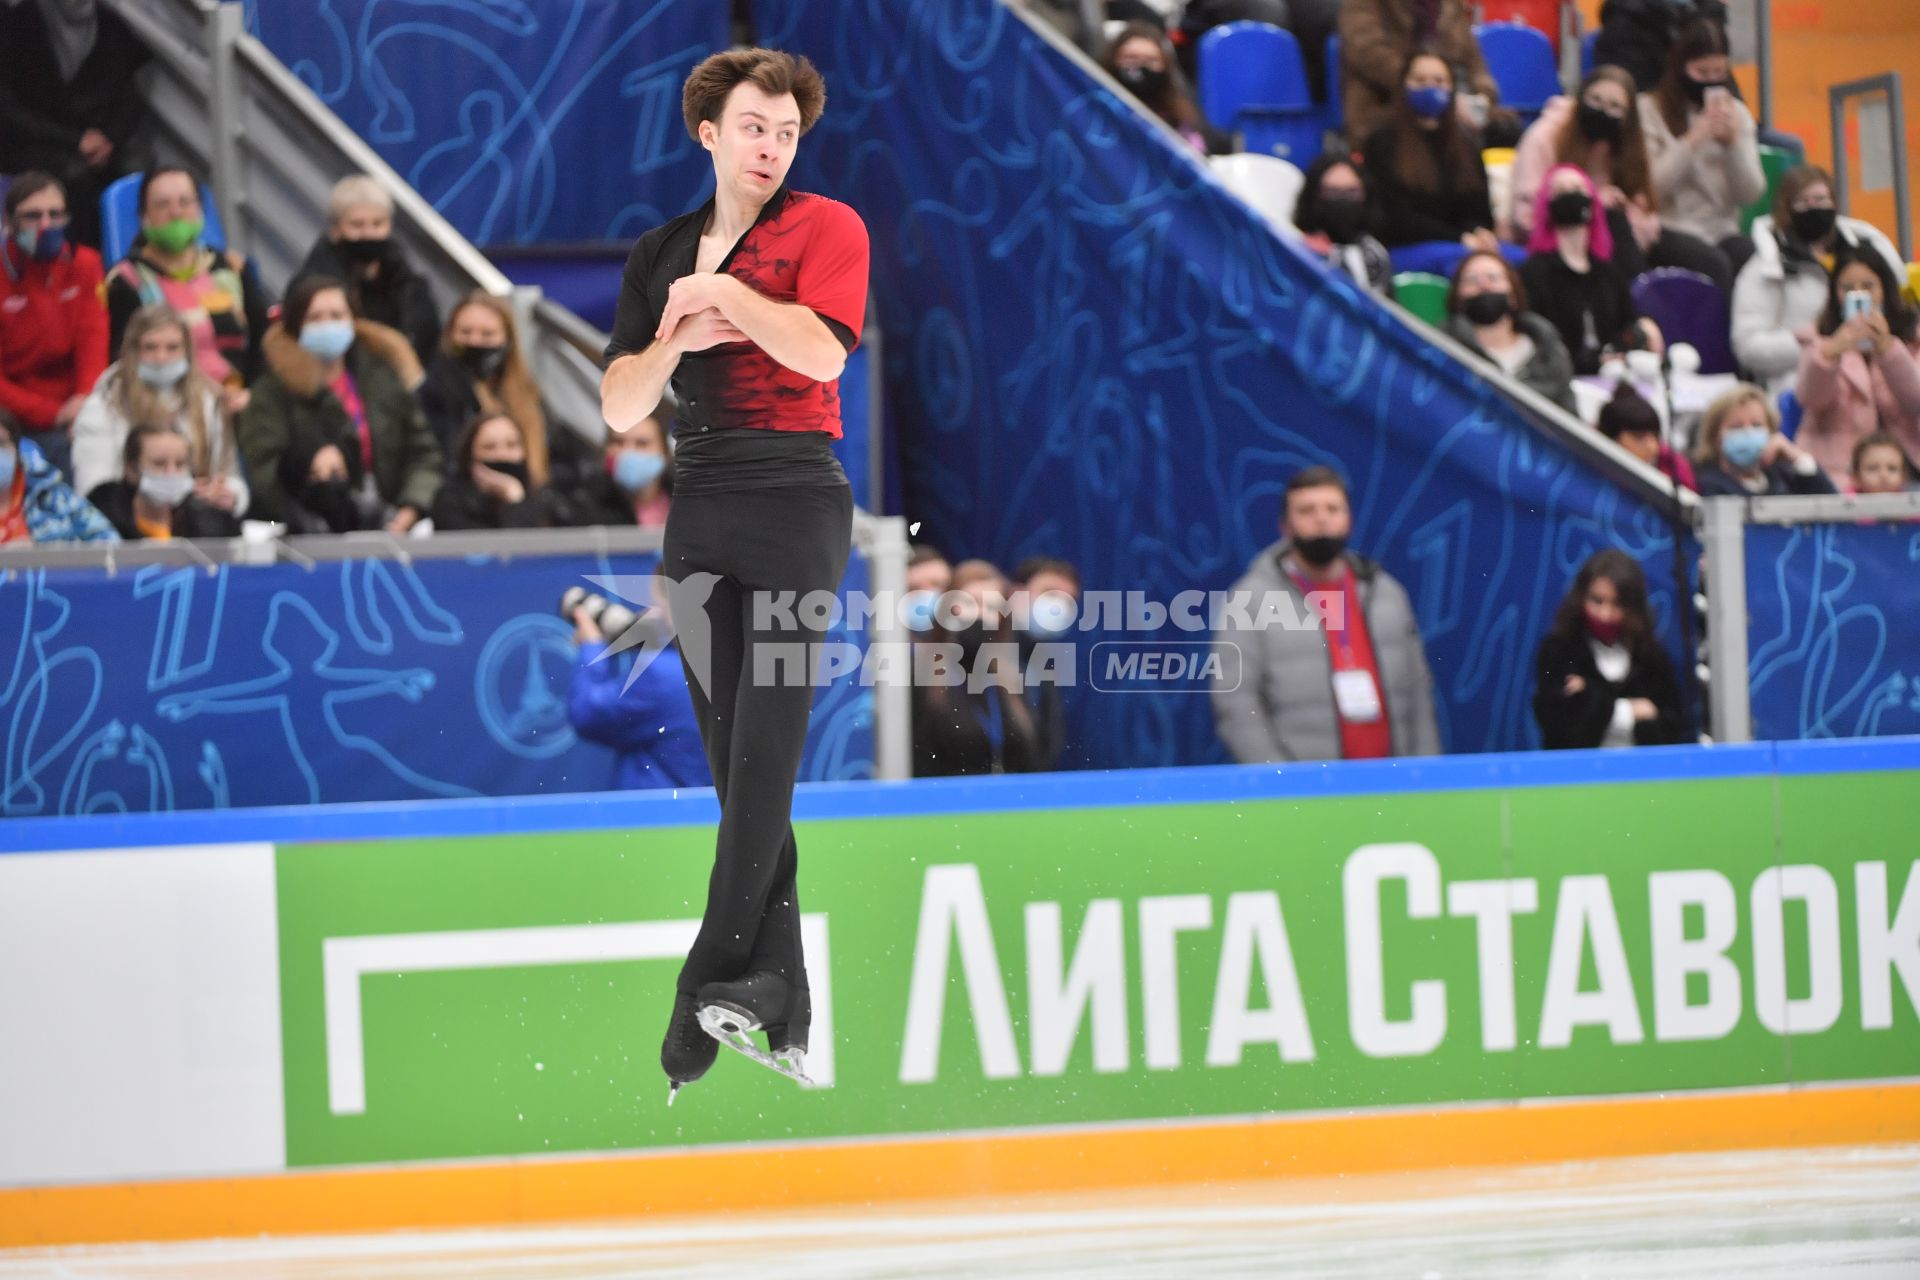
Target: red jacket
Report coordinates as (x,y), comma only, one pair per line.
(53,332)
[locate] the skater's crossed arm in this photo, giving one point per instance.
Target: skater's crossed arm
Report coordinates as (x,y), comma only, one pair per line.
(790,332)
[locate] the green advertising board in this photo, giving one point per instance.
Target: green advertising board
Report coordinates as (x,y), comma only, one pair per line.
(983,968)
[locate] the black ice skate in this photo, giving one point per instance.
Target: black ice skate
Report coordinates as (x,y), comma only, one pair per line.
(760,1001)
(686,1053)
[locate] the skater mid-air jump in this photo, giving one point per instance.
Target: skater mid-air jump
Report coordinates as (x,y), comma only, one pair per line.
(748,306)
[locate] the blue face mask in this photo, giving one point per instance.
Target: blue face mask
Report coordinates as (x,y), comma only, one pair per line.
(42,244)
(634,470)
(9,461)
(1742,446)
(1429,103)
(163,375)
(329,339)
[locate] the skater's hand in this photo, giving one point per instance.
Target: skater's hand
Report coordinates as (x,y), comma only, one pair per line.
(704,329)
(690,295)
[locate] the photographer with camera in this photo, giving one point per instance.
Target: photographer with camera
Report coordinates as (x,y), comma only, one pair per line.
(646,719)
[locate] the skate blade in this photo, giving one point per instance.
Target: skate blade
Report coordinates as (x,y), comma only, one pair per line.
(720,1023)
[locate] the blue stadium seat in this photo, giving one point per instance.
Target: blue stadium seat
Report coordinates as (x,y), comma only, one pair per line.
(120,218)
(1689,308)
(1336,114)
(1252,80)
(1521,60)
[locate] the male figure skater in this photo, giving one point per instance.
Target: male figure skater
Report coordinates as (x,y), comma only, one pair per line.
(748,306)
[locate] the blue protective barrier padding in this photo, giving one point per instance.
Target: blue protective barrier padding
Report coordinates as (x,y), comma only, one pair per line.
(839,800)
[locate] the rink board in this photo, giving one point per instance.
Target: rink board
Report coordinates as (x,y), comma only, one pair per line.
(450,1013)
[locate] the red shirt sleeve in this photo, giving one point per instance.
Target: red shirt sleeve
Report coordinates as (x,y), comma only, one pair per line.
(89,321)
(833,270)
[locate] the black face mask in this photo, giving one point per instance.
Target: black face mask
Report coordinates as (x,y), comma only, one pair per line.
(1486,308)
(1146,82)
(1811,226)
(1320,552)
(364,251)
(482,362)
(332,501)
(1570,209)
(1597,126)
(518,470)
(1344,221)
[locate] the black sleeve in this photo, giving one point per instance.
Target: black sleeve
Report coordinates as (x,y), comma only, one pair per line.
(420,317)
(459,505)
(1569,721)
(1655,682)
(257,305)
(122,301)
(634,318)
(1784,476)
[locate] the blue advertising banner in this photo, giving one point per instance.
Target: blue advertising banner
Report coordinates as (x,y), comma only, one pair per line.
(1096,352)
(1833,630)
(172,688)
(520,122)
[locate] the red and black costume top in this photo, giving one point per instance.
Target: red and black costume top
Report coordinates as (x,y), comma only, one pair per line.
(745,420)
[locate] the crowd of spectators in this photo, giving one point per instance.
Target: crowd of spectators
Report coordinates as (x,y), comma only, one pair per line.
(351,403)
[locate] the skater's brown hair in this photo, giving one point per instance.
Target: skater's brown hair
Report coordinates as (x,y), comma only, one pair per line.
(771,70)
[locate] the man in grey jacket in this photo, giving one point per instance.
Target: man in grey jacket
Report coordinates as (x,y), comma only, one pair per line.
(1357,686)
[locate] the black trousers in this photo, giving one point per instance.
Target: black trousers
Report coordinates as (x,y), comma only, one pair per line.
(724,550)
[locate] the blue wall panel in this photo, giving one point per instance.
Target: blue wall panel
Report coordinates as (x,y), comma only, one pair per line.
(520,121)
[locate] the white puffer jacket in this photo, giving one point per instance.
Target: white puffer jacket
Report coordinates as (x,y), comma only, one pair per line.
(1777,300)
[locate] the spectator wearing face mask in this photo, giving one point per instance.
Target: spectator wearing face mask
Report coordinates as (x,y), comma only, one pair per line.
(36,504)
(1571,278)
(156,383)
(53,332)
(491,486)
(1356,688)
(1335,216)
(1046,601)
(1487,313)
(482,367)
(1780,293)
(984,724)
(1743,454)
(1603,679)
(326,490)
(1863,373)
(359,248)
(70,102)
(1635,35)
(1378,38)
(333,379)
(214,290)
(1880,465)
(927,569)
(634,485)
(1597,130)
(1140,59)
(1426,170)
(1705,151)
(153,500)
(1633,424)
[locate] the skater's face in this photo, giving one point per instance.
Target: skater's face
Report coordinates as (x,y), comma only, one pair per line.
(753,142)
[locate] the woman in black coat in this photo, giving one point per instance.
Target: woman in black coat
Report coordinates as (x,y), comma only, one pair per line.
(491,486)
(1604,679)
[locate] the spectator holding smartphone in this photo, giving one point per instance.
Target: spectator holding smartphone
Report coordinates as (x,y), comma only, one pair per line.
(1861,374)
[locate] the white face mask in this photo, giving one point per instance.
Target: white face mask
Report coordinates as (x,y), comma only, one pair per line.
(167,490)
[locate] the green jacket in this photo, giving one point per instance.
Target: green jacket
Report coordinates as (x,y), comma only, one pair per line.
(292,411)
